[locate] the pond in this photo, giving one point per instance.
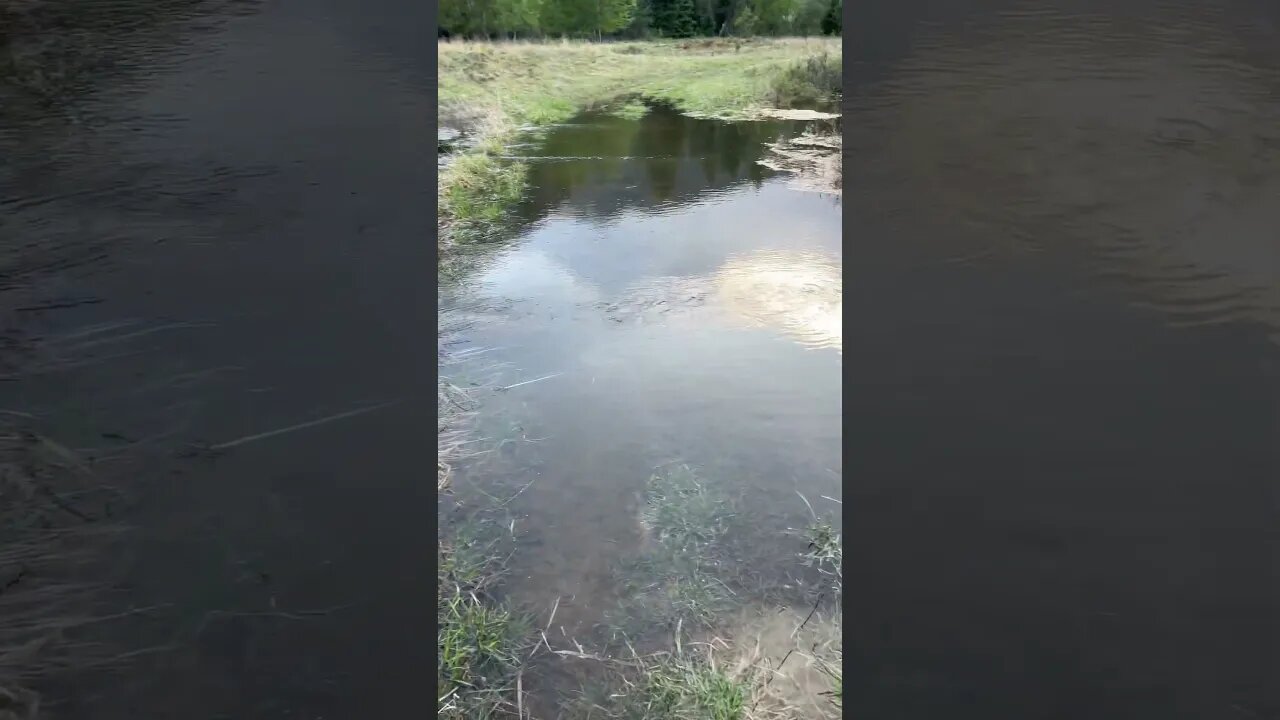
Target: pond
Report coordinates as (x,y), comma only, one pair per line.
(667,302)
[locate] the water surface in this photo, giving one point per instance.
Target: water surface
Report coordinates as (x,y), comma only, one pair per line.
(1066,382)
(233,207)
(683,304)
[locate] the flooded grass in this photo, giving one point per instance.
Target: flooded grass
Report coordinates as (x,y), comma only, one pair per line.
(762,664)
(493,89)
(696,601)
(481,191)
(482,644)
(682,646)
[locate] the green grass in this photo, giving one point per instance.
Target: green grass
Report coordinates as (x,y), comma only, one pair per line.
(736,666)
(720,661)
(825,552)
(682,513)
(631,109)
(493,89)
(712,654)
(480,642)
(815,80)
(480,192)
(689,688)
(677,579)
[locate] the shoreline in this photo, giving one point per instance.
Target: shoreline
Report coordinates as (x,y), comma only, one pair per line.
(491,91)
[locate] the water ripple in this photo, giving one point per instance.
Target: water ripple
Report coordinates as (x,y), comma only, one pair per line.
(1147,142)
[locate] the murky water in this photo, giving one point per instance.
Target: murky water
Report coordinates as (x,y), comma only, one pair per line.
(1065,393)
(231,211)
(668,301)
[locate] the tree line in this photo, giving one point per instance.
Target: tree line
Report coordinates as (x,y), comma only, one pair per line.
(637,19)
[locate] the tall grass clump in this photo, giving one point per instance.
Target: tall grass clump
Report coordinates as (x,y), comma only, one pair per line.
(826,554)
(691,683)
(814,80)
(476,201)
(480,641)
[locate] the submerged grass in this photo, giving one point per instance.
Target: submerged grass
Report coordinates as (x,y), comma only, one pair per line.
(490,90)
(721,660)
(481,642)
(685,646)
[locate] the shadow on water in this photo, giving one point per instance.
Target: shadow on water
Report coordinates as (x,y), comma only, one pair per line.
(216,242)
(673,302)
(1067,410)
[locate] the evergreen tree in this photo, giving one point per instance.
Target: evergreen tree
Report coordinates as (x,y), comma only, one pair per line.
(746,24)
(642,21)
(638,18)
(676,18)
(807,16)
(610,16)
(773,17)
(833,22)
(520,17)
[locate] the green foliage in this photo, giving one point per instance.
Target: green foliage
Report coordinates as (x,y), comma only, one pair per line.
(693,690)
(676,18)
(480,642)
(482,191)
(807,15)
(592,18)
(814,80)
(833,21)
(772,17)
(642,20)
(470,17)
(638,18)
(683,513)
(746,24)
(521,16)
(630,110)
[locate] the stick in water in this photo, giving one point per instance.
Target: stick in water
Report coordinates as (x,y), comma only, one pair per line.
(526,382)
(303,426)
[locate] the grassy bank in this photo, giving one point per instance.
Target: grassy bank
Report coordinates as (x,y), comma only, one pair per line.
(489,90)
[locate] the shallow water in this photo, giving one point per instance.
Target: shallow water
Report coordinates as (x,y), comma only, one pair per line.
(1065,414)
(683,304)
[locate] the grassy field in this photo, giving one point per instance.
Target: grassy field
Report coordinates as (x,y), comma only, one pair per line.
(489,90)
